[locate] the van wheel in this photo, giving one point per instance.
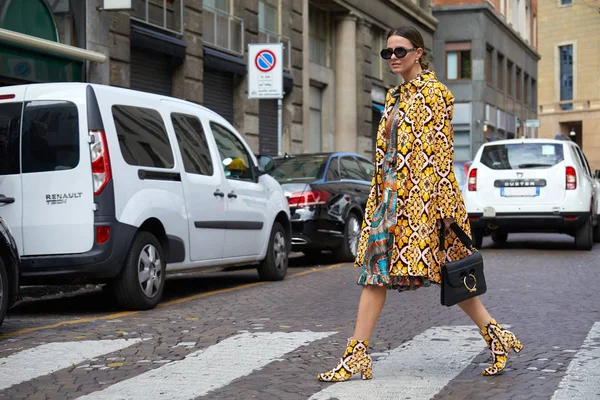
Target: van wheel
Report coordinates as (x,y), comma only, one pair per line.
(347,250)
(141,283)
(4,291)
(584,239)
(500,237)
(597,231)
(275,264)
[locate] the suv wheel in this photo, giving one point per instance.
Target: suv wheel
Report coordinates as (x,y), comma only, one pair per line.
(274,266)
(584,239)
(141,283)
(347,250)
(477,237)
(4,291)
(500,237)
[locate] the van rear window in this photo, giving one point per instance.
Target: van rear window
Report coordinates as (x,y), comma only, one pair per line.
(10,128)
(50,136)
(522,155)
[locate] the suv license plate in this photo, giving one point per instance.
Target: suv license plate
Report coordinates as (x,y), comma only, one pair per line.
(519,191)
(489,212)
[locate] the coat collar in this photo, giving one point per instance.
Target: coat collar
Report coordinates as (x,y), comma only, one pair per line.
(418,82)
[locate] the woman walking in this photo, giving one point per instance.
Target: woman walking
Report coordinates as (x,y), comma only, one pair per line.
(413,195)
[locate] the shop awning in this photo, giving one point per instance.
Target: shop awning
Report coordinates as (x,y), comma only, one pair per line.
(22,40)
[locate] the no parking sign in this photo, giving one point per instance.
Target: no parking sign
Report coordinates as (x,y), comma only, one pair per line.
(265,71)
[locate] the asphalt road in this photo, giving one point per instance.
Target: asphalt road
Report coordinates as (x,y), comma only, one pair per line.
(226,335)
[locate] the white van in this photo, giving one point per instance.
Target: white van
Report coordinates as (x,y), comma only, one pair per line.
(103,184)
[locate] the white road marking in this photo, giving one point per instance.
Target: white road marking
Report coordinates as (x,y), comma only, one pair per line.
(582,379)
(51,357)
(209,369)
(418,369)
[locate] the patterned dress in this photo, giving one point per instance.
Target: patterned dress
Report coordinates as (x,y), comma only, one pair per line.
(409,256)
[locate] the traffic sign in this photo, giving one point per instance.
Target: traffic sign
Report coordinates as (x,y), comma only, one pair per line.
(265,60)
(532,123)
(265,72)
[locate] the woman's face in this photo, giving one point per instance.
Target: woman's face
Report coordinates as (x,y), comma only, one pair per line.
(403,65)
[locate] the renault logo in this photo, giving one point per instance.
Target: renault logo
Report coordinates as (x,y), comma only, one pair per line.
(519,174)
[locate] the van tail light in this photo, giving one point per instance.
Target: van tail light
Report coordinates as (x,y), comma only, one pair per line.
(7,96)
(101,172)
(102,234)
(473,180)
(571,179)
(308,198)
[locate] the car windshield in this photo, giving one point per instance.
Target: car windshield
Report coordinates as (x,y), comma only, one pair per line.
(522,155)
(294,169)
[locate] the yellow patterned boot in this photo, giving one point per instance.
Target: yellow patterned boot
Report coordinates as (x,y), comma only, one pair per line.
(500,341)
(356,359)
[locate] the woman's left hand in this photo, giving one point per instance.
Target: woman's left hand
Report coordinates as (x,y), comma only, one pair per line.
(447,222)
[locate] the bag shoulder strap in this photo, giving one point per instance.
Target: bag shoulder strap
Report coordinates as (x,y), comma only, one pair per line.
(462,236)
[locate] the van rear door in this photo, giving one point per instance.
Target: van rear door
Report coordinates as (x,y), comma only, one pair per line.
(58,214)
(11,106)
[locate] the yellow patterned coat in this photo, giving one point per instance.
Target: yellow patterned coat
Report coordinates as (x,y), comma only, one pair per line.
(427,188)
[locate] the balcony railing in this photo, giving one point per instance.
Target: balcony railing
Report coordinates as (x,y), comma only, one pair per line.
(164,14)
(265,36)
(223,31)
(570,106)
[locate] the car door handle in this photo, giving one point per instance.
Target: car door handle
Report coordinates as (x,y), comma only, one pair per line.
(219,193)
(232,195)
(6,200)
(357,189)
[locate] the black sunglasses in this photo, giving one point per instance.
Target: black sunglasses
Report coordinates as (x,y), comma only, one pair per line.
(399,52)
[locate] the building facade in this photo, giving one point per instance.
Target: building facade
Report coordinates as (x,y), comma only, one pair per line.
(345,79)
(43,41)
(569,90)
(334,79)
(486,54)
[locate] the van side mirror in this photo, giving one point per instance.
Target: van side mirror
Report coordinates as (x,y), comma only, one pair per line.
(266,164)
(597,174)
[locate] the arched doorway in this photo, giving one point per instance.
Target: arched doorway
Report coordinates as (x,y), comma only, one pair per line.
(22,64)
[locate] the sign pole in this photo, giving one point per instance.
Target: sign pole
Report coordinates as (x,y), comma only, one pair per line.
(279,126)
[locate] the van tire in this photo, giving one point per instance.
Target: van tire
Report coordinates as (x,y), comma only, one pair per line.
(4,291)
(128,287)
(275,264)
(584,236)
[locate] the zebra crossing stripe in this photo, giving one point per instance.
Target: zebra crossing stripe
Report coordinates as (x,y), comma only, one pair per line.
(209,369)
(418,369)
(48,358)
(582,379)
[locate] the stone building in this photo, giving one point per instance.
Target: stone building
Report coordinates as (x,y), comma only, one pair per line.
(334,79)
(569,89)
(486,53)
(345,79)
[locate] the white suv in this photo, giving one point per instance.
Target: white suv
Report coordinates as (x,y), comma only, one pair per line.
(532,185)
(103,184)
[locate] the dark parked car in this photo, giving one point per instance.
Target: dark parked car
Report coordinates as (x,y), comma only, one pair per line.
(9,270)
(327,195)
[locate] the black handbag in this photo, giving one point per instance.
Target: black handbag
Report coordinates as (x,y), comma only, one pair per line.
(464,278)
